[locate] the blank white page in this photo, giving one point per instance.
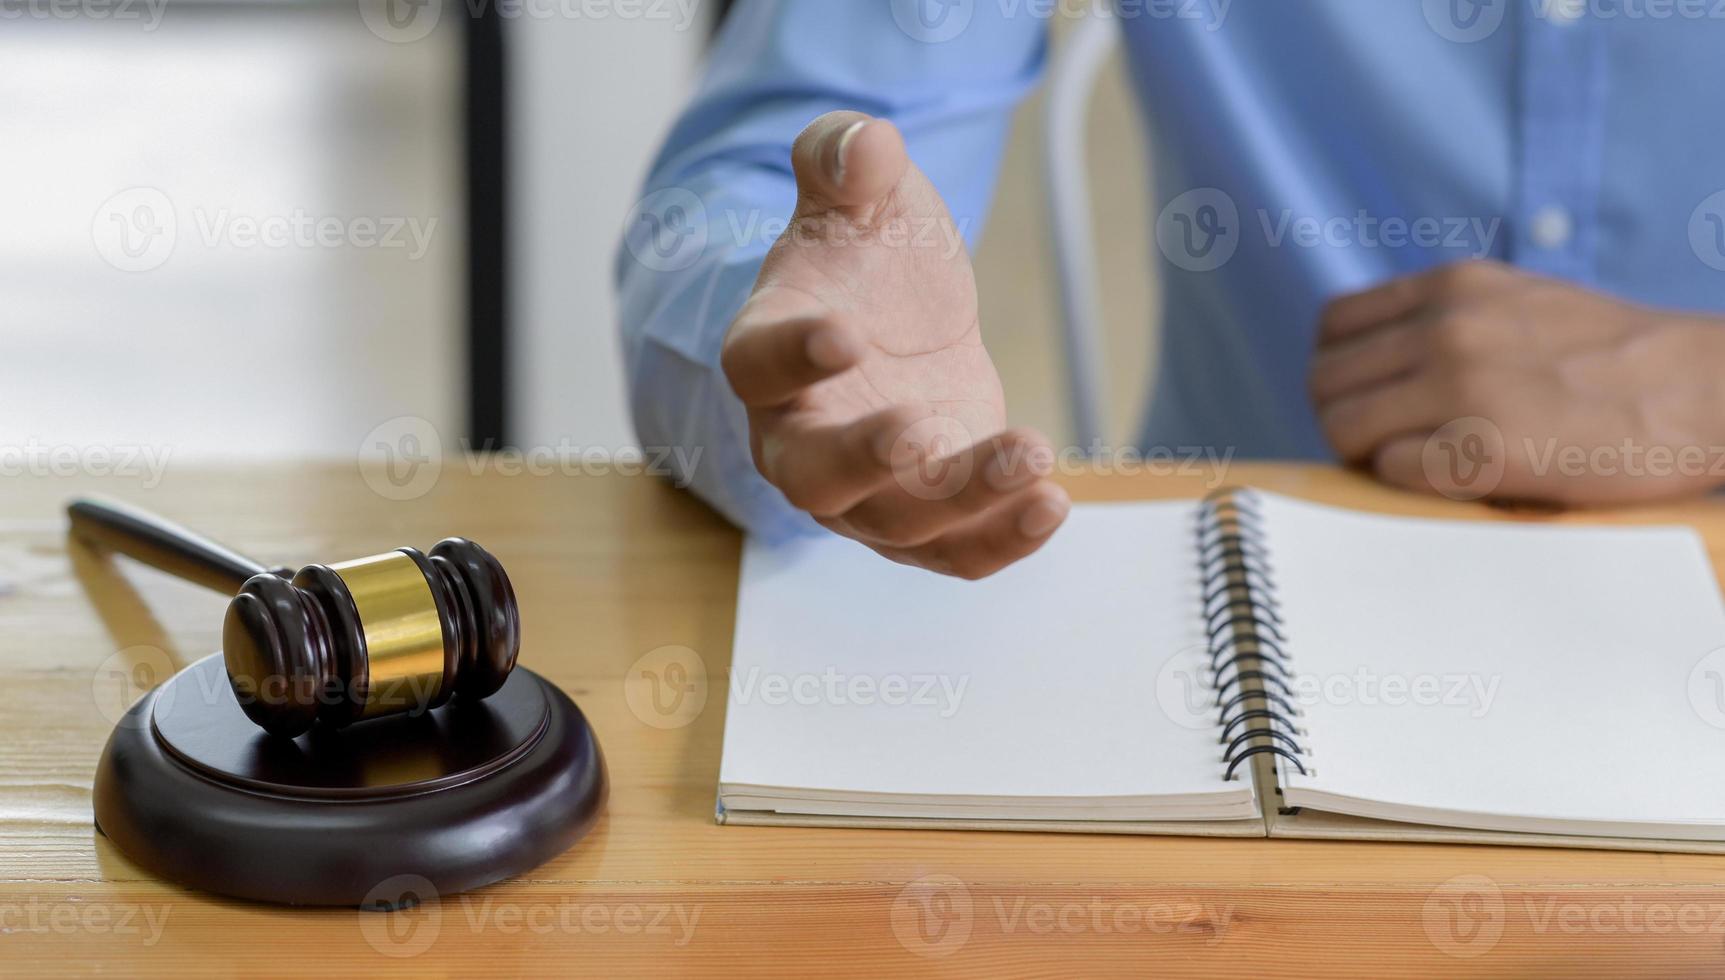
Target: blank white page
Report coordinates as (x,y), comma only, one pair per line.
(1508,677)
(1040,681)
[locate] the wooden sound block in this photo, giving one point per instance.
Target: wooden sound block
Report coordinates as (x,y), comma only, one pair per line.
(460,796)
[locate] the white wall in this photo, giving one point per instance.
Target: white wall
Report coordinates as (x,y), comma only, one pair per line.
(592,99)
(220,117)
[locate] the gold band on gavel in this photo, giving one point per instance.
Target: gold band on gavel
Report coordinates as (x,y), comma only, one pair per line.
(403,635)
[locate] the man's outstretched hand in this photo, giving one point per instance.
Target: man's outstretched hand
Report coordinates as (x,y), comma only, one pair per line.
(872,402)
(1480,380)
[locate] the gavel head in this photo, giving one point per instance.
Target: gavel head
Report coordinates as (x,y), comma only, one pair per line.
(397,632)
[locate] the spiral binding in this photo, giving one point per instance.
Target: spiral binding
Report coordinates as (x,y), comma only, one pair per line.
(1249,665)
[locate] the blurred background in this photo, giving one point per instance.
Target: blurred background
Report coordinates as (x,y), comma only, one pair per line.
(267,228)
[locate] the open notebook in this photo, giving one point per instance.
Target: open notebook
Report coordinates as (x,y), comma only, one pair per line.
(1246,665)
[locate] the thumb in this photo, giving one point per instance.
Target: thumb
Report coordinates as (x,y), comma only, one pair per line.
(846,161)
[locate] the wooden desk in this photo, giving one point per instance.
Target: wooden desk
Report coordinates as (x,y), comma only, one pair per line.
(612,568)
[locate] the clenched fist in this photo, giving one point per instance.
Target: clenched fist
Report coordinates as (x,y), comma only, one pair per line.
(1478,379)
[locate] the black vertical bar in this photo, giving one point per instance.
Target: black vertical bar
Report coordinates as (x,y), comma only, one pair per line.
(485,114)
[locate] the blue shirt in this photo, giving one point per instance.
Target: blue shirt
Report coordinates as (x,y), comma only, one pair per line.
(1302,149)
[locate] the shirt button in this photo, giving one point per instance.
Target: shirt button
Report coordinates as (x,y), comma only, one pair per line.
(1551,227)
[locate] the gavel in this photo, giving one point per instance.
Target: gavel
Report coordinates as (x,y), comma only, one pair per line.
(349,641)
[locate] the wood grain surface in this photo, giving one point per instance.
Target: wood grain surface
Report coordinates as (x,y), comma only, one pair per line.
(621,575)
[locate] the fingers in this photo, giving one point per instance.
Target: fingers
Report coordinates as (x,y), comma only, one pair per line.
(979,550)
(1353,314)
(930,497)
(1403,297)
(1371,358)
(1401,463)
(884,480)
(828,469)
(1356,425)
(769,362)
(847,161)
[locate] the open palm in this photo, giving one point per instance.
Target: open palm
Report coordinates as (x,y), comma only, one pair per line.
(873,404)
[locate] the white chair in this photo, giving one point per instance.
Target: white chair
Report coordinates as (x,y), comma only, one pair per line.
(1072,79)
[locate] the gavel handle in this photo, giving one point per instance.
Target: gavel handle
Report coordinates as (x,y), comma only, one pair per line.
(162,544)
